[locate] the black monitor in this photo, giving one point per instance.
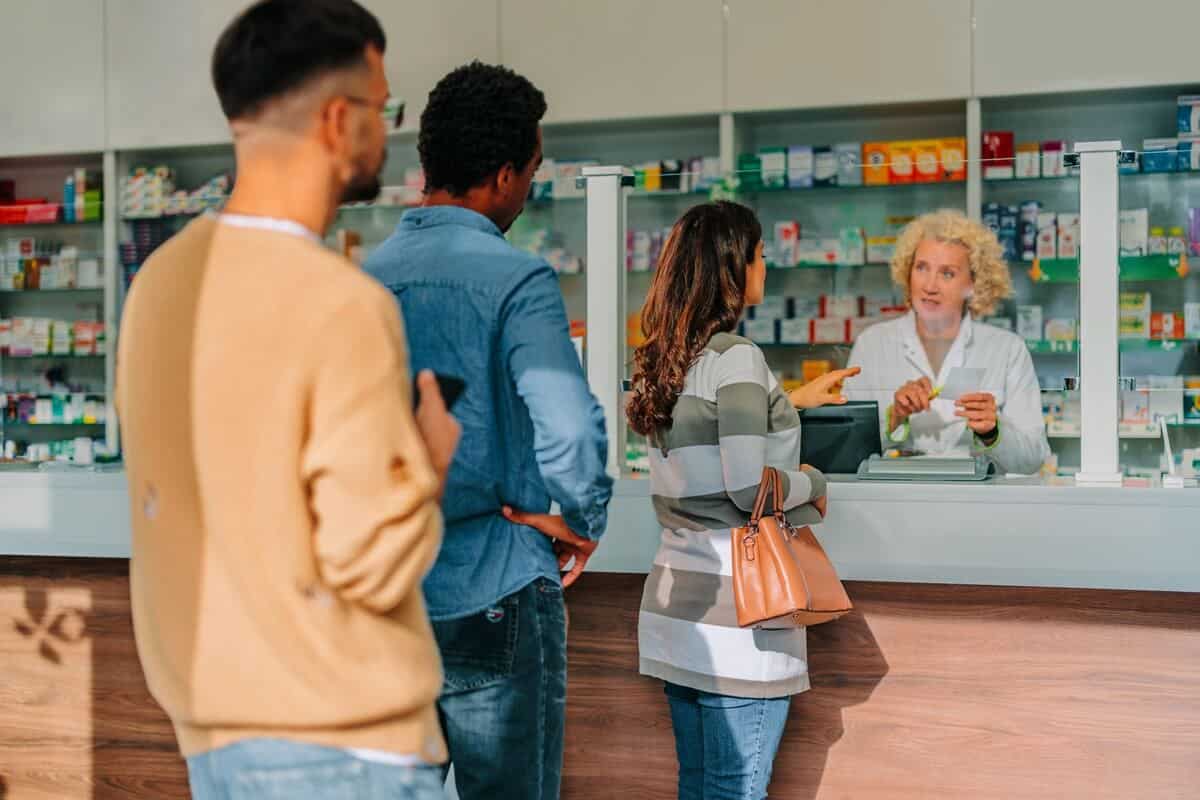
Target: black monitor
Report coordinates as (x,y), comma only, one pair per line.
(836,439)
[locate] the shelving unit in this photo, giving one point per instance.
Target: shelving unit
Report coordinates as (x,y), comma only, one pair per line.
(560,222)
(48,374)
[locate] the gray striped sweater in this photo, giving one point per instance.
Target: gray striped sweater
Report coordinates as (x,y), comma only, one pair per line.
(731,419)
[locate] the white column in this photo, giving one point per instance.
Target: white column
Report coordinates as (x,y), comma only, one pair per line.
(974,164)
(113,277)
(1099,281)
(604,347)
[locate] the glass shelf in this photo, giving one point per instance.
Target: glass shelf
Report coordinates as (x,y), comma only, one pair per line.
(1036,347)
(1057,430)
(44,357)
(825,190)
(56,224)
(89,290)
(7,425)
(774,268)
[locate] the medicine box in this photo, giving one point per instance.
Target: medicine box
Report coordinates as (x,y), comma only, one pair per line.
(1135,231)
(1134,315)
(825,167)
(900,156)
(1029,160)
(876,171)
(952,154)
(800,167)
(1160,155)
(1029,322)
(849,163)
(926,165)
(1053,165)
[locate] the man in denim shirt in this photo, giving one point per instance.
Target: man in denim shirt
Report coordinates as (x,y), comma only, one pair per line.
(532,433)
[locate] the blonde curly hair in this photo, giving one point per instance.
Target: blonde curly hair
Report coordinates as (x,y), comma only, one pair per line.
(989,272)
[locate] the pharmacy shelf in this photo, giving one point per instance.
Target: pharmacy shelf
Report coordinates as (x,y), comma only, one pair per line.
(1125,430)
(1043,347)
(1133,268)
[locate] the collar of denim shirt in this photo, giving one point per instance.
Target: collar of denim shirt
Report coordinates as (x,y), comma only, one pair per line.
(433,216)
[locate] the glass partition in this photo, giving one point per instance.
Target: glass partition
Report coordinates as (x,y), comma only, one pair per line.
(1157,190)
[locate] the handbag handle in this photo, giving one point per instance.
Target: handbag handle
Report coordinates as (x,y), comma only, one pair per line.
(769,483)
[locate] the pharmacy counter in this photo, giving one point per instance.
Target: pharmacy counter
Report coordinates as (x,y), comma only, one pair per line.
(1015,532)
(1078,676)
(64,514)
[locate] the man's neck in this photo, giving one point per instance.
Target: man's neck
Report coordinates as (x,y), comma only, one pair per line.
(284,189)
(473,200)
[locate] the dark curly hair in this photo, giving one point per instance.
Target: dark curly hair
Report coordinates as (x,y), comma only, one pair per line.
(276,46)
(699,290)
(479,118)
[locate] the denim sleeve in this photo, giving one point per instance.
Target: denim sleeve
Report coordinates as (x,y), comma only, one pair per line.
(569,436)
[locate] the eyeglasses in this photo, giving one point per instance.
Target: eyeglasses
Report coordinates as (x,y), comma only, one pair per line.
(392,111)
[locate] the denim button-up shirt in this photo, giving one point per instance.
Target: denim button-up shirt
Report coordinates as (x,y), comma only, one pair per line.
(532,432)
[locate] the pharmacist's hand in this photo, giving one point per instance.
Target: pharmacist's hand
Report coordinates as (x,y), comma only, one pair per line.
(438,429)
(568,544)
(823,391)
(911,398)
(979,410)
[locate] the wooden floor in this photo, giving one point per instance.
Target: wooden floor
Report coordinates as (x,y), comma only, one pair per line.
(924,692)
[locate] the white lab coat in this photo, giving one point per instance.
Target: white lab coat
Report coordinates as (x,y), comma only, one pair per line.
(891,354)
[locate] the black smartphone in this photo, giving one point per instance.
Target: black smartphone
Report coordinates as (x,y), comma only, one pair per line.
(450,386)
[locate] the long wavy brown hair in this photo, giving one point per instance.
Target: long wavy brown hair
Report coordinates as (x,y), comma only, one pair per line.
(699,290)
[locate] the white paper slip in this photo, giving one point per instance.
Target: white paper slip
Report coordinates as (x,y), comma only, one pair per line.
(960,381)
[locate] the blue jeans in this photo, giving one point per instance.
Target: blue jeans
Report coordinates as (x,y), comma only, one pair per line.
(726,745)
(504,702)
(276,769)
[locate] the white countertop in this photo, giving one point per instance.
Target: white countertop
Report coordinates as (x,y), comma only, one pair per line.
(1002,531)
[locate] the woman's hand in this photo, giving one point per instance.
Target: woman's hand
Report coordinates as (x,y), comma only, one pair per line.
(979,410)
(911,398)
(823,391)
(821,504)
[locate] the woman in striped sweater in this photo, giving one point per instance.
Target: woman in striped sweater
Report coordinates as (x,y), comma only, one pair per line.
(714,415)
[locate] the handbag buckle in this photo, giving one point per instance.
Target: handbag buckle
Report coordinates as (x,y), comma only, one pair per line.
(748,545)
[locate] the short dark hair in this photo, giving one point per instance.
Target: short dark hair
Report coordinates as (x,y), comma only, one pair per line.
(276,46)
(479,118)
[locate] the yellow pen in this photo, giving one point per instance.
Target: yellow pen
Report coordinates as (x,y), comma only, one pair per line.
(936,391)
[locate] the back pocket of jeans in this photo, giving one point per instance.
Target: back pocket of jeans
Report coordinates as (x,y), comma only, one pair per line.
(480,649)
(341,779)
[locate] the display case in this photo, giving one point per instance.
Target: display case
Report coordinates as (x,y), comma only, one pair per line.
(1158,352)
(54,351)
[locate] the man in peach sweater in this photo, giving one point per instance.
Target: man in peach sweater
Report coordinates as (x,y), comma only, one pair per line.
(284,496)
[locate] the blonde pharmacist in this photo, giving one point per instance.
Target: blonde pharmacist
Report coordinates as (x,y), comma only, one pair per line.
(952,272)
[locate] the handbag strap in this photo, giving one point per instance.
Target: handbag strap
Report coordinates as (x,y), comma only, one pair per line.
(768,484)
(778,480)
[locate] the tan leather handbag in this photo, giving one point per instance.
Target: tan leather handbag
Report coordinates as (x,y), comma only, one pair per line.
(781,575)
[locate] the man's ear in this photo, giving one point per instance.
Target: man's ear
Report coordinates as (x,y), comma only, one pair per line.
(334,122)
(505,179)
